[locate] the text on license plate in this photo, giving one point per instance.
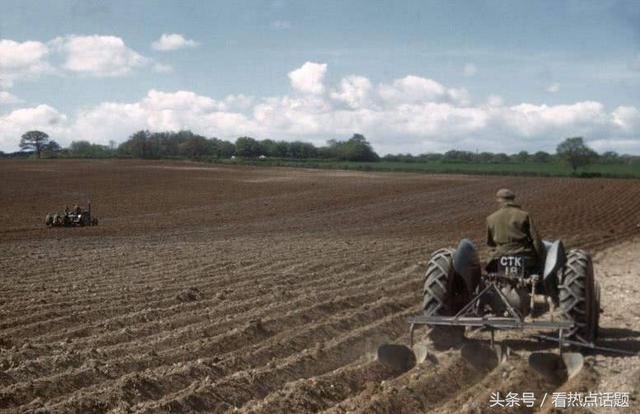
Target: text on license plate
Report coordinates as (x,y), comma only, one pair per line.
(512,265)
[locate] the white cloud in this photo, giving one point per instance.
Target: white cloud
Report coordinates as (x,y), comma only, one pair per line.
(238,102)
(354,91)
(553,88)
(8,99)
(87,55)
(411,114)
(22,60)
(39,116)
(161,111)
(581,118)
(107,121)
(21,55)
(180,101)
(627,118)
(172,41)
(19,121)
(98,55)
(291,116)
(416,89)
(308,78)
(470,70)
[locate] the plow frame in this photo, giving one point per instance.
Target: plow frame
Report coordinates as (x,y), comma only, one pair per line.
(467,316)
(516,321)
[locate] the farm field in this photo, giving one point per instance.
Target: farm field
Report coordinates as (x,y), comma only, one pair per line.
(210,288)
(540,169)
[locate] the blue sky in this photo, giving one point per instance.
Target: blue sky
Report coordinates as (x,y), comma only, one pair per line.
(413,76)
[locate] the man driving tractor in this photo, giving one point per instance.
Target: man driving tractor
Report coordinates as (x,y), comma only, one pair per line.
(510,232)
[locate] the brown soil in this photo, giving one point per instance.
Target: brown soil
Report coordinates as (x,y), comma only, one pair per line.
(206,289)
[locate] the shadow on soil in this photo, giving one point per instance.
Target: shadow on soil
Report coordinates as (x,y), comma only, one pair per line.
(620,338)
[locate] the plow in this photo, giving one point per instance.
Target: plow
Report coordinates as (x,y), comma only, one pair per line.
(557,302)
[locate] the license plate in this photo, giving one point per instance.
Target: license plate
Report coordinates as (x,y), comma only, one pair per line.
(511,265)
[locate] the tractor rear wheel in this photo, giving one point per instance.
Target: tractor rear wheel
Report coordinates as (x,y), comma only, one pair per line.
(441,297)
(578,294)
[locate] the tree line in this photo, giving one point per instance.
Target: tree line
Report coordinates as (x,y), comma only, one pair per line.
(574,151)
(185,144)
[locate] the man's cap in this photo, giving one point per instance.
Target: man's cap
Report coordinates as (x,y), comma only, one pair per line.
(505,194)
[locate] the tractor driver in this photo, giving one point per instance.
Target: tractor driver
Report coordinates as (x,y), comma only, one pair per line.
(77,209)
(510,232)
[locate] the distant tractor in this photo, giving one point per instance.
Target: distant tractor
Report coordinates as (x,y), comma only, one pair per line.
(72,218)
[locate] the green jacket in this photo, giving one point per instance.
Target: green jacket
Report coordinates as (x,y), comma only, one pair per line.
(510,231)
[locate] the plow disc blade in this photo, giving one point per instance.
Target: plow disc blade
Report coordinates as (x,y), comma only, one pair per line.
(556,367)
(421,353)
(398,357)
(484,357)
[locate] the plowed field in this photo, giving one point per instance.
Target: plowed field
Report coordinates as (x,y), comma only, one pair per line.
(214,289)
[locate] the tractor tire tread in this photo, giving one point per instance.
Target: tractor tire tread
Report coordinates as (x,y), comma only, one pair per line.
(576,295)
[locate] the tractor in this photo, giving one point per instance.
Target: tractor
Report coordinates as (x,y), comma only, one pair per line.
(511,293)
(72,218)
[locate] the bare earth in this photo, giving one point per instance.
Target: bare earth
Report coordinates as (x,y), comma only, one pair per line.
(215,289)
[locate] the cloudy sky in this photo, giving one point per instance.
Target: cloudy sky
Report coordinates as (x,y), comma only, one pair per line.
(412,76)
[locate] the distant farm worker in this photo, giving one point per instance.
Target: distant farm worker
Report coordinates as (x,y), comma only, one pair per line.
(77,209)
(510,232)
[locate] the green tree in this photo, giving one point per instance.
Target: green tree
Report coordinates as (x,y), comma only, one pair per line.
(137,145)
(431,156)
(576,153)
(85,149)
(541,156)
(52,147)
(80,148)
(282,149)
(301,150)
(484,157)
(357,148)
(34,140)
(222,148)
(500,157)
(248,147)
(270,147)
(459,156)
(610,157)
(522,156)
(194,147)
